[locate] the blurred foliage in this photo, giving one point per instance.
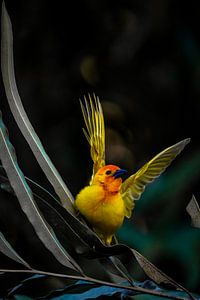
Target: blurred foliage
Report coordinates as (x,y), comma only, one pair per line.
(143,60)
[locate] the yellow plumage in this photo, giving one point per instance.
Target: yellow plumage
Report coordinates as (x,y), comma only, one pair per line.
(98,209)
(106,200)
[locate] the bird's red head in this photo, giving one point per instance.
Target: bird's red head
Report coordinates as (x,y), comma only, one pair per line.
(109,177)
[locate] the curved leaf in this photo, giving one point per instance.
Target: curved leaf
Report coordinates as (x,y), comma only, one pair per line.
(7,66)
(7,250)
(28,205)
(156,274)
(5,185)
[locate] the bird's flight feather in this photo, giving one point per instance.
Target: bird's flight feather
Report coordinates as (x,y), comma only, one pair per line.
(95,131)
(133,187)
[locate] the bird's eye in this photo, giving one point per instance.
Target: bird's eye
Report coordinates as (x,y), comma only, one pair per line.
(108,172)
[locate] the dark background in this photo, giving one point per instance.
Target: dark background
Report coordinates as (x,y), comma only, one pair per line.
(142,58)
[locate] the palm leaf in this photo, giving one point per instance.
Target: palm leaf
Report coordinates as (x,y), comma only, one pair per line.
(7,65)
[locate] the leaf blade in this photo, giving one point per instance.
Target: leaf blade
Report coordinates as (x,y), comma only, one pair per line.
(26,200)
(156,274)
(7,250)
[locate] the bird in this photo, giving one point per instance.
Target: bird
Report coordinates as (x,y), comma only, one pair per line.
(107,199)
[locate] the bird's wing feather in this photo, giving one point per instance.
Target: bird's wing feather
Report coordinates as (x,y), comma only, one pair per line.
(133,186)
(95,131)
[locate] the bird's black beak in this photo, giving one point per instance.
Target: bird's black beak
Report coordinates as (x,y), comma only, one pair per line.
(119,173)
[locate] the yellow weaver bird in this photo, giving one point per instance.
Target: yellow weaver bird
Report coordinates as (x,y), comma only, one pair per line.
(107,200)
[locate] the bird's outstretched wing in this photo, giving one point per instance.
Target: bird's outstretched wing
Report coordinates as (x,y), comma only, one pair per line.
(133,186)
(95,131)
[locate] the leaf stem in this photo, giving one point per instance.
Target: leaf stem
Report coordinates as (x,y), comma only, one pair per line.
(100,282)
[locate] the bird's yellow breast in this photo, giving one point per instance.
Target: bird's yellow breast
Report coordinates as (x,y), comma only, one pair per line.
(104,211)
